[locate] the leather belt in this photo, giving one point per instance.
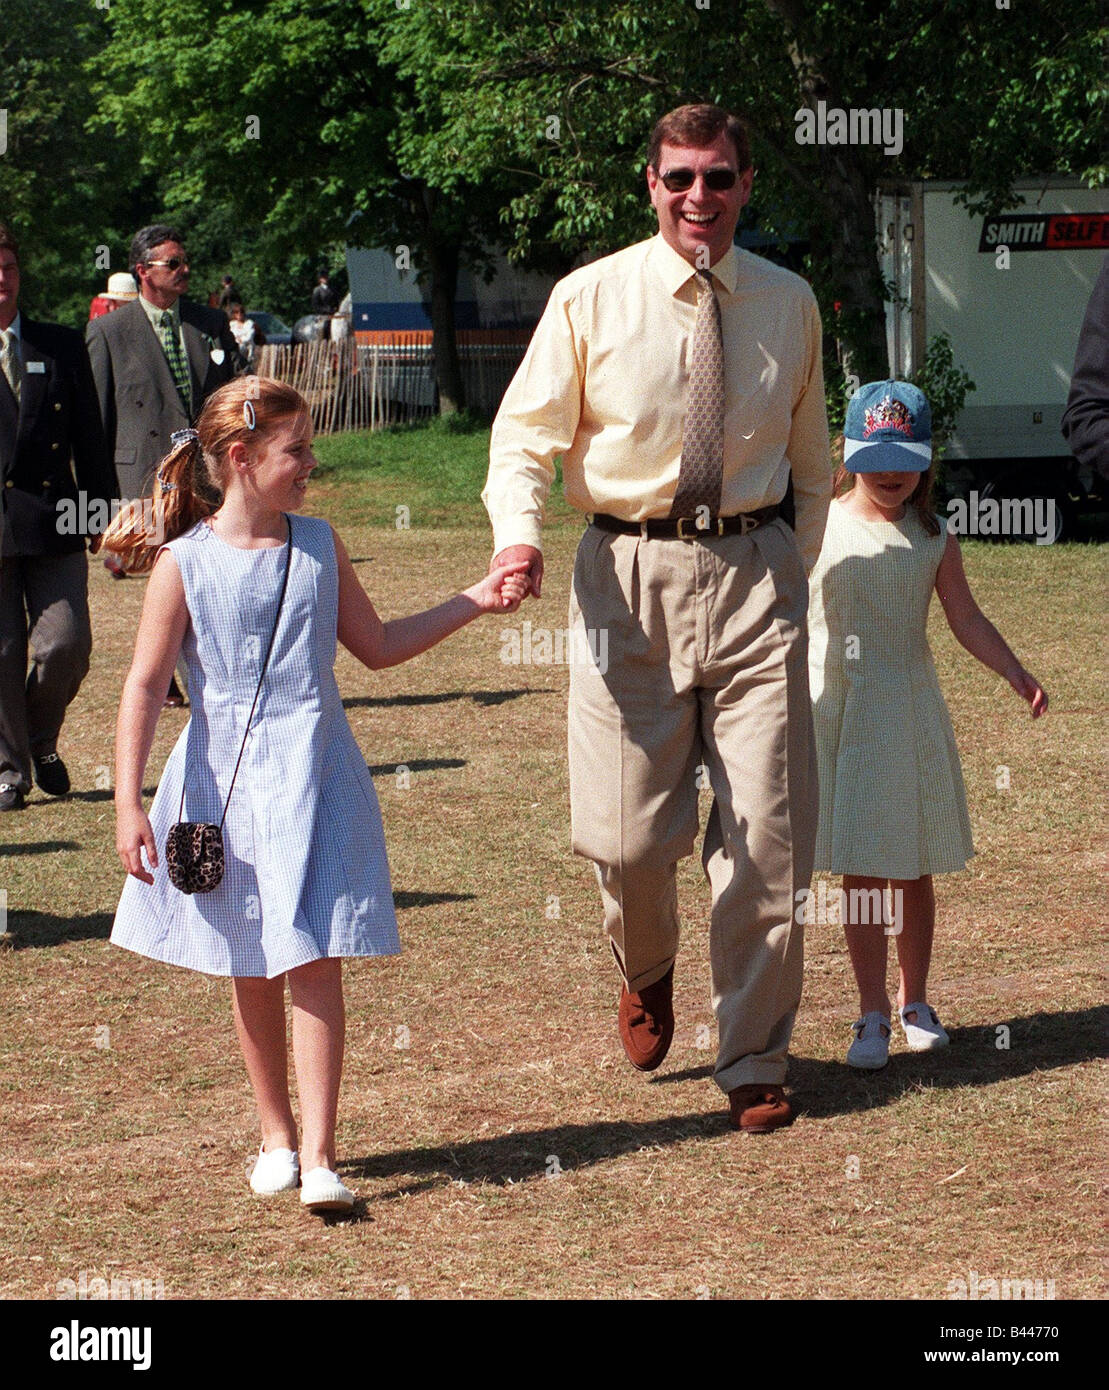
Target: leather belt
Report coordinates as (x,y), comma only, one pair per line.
(687,528)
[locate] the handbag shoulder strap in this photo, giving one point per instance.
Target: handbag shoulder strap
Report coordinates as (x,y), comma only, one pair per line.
(261,677)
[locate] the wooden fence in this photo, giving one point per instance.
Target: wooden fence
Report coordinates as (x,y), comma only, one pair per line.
(364,385)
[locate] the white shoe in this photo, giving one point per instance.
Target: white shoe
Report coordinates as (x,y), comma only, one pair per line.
(871,1049)
(323,1190)
(927,1033)
(275,1171)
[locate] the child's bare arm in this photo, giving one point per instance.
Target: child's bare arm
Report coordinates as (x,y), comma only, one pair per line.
(377,644)
(975,631)
(162,627)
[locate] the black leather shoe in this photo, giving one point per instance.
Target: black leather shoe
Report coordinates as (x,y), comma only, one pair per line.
(51,774)
(11,798)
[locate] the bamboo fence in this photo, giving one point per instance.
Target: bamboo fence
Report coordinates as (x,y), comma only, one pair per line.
(368,385)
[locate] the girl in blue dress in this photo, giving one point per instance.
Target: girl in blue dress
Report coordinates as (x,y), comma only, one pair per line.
(306,880)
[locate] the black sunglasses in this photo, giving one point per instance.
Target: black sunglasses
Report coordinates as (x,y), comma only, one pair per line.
(174,262)
(680,180)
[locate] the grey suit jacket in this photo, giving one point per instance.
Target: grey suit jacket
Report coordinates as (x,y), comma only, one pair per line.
(139,402)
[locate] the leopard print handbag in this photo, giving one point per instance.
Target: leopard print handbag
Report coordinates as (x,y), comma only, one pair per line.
(194,849)
(194,856)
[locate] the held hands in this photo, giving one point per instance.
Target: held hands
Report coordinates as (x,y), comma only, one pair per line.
(528,553)
(133,834)
(503,589)
(1028,688)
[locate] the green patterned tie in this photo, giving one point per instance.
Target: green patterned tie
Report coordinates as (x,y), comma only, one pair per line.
(171,342)
(9,363)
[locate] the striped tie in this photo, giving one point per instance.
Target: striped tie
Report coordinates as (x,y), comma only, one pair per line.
(702,467)
(9,363)
(171,343)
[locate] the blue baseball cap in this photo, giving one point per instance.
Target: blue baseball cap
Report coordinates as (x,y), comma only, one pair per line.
(888,429)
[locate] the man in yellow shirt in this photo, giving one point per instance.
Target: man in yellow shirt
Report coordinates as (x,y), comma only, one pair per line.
(681,382)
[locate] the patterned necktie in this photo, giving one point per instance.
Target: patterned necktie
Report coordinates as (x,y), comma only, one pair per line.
(702,466)
(9,363)
(171,342)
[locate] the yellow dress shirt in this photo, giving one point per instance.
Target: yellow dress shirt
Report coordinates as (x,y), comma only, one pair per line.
(605,380)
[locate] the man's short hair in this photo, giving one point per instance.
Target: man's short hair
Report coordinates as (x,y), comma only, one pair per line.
(698,126)
(145,240)
(7,241)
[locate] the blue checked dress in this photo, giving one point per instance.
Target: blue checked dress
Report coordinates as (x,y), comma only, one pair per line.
(306,874)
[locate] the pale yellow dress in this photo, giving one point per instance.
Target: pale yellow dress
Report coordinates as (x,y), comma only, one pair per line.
(892,800)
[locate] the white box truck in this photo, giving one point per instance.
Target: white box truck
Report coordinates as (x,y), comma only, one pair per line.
(1010,291)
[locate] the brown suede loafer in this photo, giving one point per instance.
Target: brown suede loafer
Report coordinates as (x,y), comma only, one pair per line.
(647,1022)
(759,1109)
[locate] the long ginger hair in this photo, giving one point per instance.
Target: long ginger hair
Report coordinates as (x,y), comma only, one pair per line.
(191,479)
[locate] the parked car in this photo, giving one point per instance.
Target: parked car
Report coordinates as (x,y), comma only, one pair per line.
(272,329)
(311,328)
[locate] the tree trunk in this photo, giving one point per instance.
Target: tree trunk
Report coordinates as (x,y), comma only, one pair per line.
(443,273)
(845,243)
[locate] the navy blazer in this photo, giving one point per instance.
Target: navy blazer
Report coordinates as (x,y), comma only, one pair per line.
(55,434)
(139,402)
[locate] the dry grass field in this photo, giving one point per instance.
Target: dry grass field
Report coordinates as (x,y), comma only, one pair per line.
(500,1144)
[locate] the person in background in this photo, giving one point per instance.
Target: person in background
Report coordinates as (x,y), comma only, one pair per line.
(228,295)
(155,362)
(48,418)
(121,290)
(242,329)
(1086,418)
(324,298)
(324,301)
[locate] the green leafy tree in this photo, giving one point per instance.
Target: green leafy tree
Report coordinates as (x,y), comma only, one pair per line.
(62,191)
(308,121)
(985,95)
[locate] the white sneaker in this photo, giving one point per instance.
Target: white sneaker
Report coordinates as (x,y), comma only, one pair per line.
(871,1049)
(276,1171)
(323,1190)
(927,1033)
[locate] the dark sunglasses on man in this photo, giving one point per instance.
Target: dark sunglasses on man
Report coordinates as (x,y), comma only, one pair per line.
(174,262)
(680,180)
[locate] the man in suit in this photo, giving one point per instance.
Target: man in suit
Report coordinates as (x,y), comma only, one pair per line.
(156,360)
(48,416)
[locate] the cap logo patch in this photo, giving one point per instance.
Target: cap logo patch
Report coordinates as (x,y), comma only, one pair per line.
(888,414)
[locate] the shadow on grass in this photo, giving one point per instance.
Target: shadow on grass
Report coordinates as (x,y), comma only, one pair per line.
(403,900)
(513,1158)
(42,847)
(479,697)
(37,929)
(102,794)
(1036,1042)
(820,1089)
(29,930)
(416,765)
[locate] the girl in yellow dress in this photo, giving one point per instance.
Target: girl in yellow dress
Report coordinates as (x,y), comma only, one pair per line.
(892,802)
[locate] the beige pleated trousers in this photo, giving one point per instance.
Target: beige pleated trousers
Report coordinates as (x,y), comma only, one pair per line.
(704,647)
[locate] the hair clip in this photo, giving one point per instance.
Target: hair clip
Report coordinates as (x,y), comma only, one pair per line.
(248,414)
(179,437)
(166,487)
